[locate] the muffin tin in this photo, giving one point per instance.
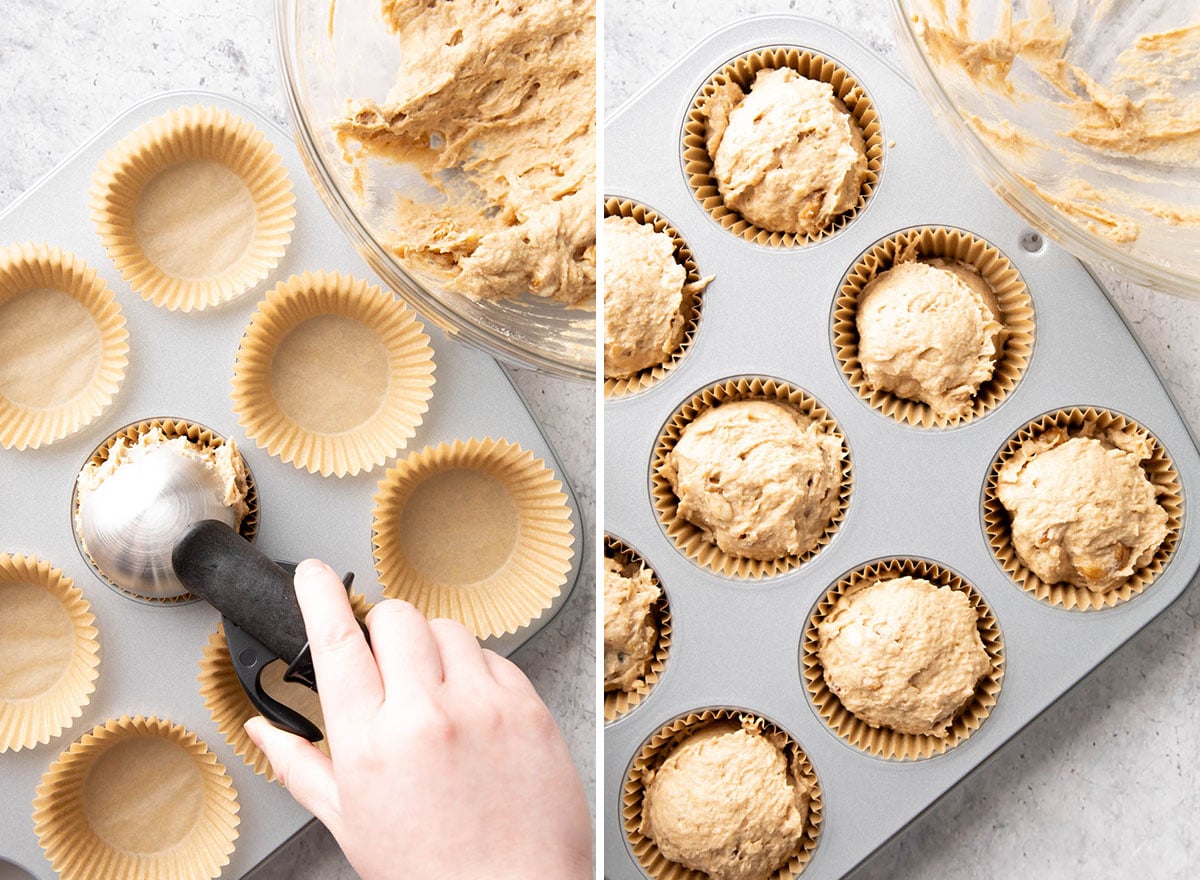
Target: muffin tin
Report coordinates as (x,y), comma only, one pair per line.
(180,366)
(918,491)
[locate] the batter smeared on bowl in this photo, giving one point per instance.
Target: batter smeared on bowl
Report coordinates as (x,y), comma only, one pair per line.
(495,104)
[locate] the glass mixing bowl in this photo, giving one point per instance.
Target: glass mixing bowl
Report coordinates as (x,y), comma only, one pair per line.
(1083,115)
(333,51)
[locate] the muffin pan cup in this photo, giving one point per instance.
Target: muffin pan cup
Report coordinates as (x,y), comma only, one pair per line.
(181,365)
(918,492)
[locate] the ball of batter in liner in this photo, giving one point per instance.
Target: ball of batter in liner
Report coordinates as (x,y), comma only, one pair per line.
(759,478)
(788,156)
(643,297)
(726,802)
(903,654)
(929,331)
(630,630)
(1082,509)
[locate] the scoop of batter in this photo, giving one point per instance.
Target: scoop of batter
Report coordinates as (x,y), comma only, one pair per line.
(726,803)
(904,654)
(1083,510)
(788,156)
(929,331)
(630,633)
(643,297)
(759,478)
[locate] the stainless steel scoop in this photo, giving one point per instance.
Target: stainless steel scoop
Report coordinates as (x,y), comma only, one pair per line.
(130,524)
(159,528)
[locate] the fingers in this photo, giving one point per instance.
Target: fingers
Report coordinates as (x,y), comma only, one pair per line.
(404,648)
(506,673)
(304,770)
(347,677)
(462,657)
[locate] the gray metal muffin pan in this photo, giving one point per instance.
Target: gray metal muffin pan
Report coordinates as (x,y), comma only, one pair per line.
(917,492)
(180,366)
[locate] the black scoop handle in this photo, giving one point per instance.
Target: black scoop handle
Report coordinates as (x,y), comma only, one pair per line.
(244,584)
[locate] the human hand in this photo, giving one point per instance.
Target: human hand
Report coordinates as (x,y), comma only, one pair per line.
(445,762)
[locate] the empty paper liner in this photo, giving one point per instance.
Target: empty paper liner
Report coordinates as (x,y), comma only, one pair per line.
(48,652)
(690,538)
(1012,299)
(230,708)
(63,345)
(1159,471)
(136,799)
(882,741)
(201,436)
(333,374)
(195,207)
(476,530)
(690,308)
(698,164)
(660,745)
(618,703)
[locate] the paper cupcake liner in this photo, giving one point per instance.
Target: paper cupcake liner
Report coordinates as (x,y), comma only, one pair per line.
(44,681)
(697,164)
(172,160)
(1159,470)
(171,428)
(688,537)
(305,392)
(88,358)
(928,242)
(881,741)
(619,703)
(489,581)
(230,708)
(655,751)
(136,799)
(693,295)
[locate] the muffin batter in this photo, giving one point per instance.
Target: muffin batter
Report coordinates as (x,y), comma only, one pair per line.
(643,297)
(496,106)
(929,331)
(725,802)
(759,478)
(224,460)
(904,654)
(788,156)
(1083,510)
(630,632)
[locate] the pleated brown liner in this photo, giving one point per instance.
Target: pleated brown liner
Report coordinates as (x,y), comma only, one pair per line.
(885,742)
(171,428)
(66,814)
(350,448)
(526,583)
(31,267)
(618,703)
(29,719)
(230,708)
(656,750)
(697,164)
(930,242)
(688,537)
(691,306)
(198,133)
(1159,470)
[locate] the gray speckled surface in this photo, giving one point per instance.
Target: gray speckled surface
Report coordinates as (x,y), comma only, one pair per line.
(1105,783)
(65,70)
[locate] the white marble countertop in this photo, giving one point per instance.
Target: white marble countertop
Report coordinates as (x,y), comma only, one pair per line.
(1105,783)
(66,69)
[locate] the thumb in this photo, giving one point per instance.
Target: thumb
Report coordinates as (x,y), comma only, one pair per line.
(302,768)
